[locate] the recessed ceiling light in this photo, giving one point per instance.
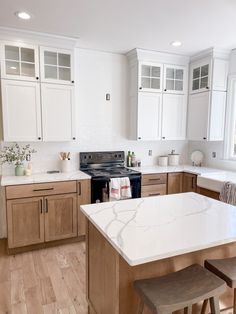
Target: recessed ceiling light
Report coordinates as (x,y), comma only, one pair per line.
(176,43)
(23,15)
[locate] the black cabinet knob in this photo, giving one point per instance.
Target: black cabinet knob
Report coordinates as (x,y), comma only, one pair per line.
(73,138)
(207,87)
(72,82)
(165,90)
(204,138)
(37,78)
(163,137)
(139,138)
(39,138)
(140,87)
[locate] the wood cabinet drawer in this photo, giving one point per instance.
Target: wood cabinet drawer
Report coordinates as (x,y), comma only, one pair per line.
(157,178)
(40,189)
(153,190)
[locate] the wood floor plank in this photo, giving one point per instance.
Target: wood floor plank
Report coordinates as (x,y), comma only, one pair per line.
(19,308)
(47,281)
(33,301)
(47,292)
(17,287)
(5,297)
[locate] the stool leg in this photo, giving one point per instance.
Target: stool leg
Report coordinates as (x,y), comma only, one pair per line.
(214,303)
(188,310)
(204,306)
(234,305)
(140,306)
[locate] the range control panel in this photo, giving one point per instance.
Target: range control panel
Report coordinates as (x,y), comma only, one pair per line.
(101,157)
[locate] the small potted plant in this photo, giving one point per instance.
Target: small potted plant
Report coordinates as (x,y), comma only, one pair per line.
(16,155)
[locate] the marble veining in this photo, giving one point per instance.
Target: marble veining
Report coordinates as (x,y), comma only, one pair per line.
(43,177)
(148,229)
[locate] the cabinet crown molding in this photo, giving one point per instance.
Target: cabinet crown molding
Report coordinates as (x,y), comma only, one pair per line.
(212,53)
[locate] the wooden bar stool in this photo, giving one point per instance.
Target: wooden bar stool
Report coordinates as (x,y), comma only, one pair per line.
(226,269)
(180,290)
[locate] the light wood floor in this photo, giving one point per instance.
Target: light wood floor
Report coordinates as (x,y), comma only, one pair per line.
(45,281)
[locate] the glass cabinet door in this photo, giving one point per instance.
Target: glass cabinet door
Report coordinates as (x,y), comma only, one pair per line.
(200,77)
(57,66)
(174,79)
(20,62)
(150,77)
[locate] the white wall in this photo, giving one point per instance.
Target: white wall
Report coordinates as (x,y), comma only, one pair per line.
(101,124)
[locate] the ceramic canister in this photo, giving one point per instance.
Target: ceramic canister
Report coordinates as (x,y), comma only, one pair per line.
(163,161)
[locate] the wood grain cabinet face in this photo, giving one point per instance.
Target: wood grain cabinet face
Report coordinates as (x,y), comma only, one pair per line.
(153,184)
(60,217)
(189,182)
(25,222)
(84,197)
(175,182)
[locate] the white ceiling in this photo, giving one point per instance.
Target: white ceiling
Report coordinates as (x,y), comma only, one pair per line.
(121,25)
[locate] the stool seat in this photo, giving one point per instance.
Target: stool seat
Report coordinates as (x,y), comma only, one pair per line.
(224,268)
(180,289)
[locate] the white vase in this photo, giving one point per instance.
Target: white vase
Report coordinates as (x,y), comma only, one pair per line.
(65,166)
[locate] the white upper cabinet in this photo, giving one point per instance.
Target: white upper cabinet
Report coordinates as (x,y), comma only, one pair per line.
(21,111)
(149,116)
(174,79)
(174,112)
(200,75)
(19,61)
(150,77)
(58,112)
(206,116)
(57,66)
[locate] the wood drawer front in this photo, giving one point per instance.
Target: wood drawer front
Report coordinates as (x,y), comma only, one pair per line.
(153,190)
(150,179)
(40,189)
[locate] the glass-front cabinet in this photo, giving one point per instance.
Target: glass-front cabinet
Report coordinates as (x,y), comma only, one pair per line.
(150,77)
(19,61)
(56,65)
(174,79)
(200,76)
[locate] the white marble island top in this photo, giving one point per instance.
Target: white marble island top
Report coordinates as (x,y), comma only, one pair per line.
(43,177)
(149,229)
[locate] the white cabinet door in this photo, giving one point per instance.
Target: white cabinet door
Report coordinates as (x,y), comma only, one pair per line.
(21,110)
(58,112)
(150,77)
(174,79)
(174,111)
(149,115)
(217,116)
(57,66)
(198,114)
(19,61)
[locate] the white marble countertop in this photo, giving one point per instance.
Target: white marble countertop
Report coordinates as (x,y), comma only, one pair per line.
(149,229)
(180,168)
(215,181)
(43,177)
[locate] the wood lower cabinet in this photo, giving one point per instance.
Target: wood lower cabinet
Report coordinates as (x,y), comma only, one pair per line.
(175,182)
(153,184)
(25,222)
(84,197)
(208,193)
(60,217)
(189,182)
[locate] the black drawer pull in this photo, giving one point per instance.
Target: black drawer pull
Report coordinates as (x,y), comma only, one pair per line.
(39,190)
(153,194)
(79,188)
(156,179)
(41,206)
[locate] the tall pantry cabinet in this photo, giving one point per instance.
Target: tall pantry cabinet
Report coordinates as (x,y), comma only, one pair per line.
(207,95)
(37,90)
(158,95)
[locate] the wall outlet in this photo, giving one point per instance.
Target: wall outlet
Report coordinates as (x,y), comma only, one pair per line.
(213,154)
(150,152)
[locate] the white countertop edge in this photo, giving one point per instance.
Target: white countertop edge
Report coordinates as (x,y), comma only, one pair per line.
(44,178)
(156,257)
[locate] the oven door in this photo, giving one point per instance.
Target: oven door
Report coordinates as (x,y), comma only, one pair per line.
(100,188)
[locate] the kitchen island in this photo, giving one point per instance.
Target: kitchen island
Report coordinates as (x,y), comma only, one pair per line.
(148,237)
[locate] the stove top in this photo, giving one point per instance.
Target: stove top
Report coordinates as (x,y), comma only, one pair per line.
(110,172)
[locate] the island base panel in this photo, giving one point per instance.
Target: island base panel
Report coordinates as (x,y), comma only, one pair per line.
(110,278)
